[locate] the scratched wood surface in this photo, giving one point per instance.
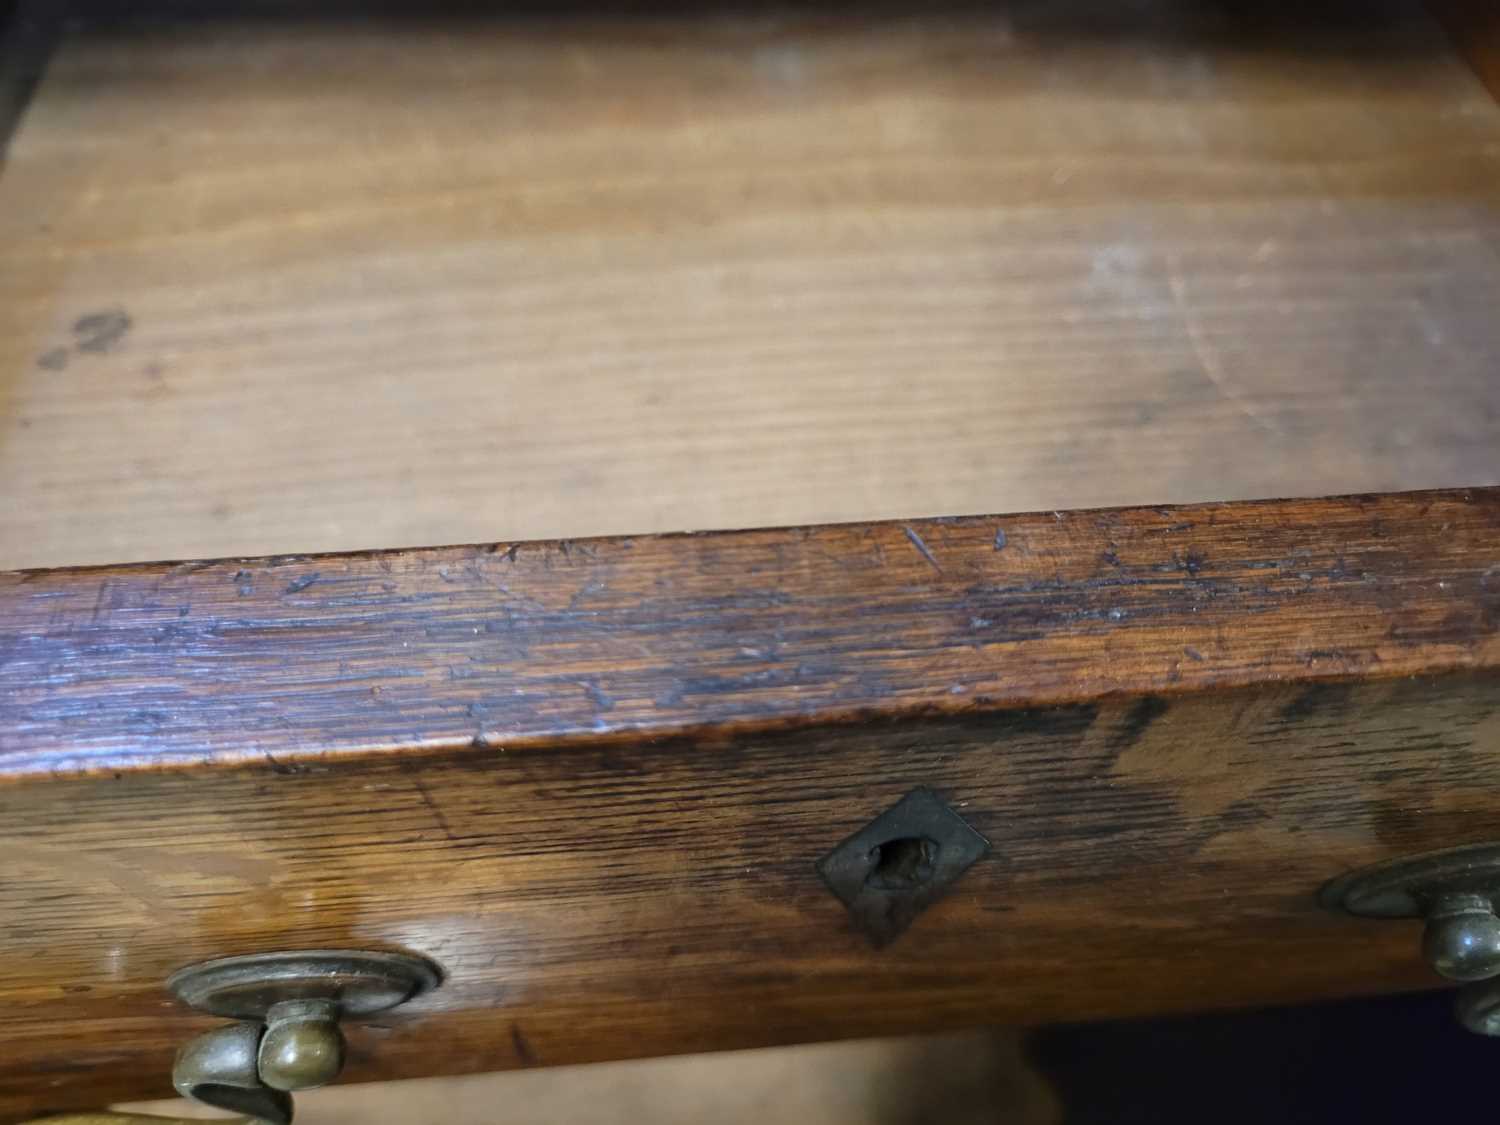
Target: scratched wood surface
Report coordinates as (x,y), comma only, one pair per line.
(592,778)
(277,285)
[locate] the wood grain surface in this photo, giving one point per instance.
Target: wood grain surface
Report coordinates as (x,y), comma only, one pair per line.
(592,778)
(328,282)
(341,281)
(503,646)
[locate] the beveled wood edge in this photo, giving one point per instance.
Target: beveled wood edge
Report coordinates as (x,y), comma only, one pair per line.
(1438,553)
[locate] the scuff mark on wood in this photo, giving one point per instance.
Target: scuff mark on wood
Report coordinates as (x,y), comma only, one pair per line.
(922,548)
(297,585)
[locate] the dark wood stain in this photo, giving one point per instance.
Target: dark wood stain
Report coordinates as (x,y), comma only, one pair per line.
(1143,712)
(523,1050)
(593,783)
(1317,698)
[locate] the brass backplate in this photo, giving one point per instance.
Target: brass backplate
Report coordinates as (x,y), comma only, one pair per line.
(360,982)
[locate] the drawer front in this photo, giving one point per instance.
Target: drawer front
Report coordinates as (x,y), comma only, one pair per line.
(597,782)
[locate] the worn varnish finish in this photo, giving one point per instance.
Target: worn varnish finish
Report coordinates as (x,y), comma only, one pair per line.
(507,646)
(592,778)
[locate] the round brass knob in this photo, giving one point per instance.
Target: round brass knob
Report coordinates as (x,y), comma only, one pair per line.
(302,1046)
(1462,938)
(1455,892)
(288,1006)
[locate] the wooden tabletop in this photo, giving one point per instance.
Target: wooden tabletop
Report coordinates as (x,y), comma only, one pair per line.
(276,285)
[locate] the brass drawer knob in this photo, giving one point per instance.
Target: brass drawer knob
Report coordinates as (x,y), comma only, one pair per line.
(302,1047)
(287,1035)
(1462,938)
(288,1006)
(286,1038)
(1454,892)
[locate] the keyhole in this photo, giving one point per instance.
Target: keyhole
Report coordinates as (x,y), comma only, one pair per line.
(903,864)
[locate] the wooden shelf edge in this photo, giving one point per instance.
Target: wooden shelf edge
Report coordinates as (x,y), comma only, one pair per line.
(524,645)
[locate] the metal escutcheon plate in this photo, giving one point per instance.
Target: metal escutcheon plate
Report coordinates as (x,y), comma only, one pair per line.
(361,983)
(1402,888)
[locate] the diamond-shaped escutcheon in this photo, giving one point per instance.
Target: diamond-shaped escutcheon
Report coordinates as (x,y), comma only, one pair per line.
(900,863)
